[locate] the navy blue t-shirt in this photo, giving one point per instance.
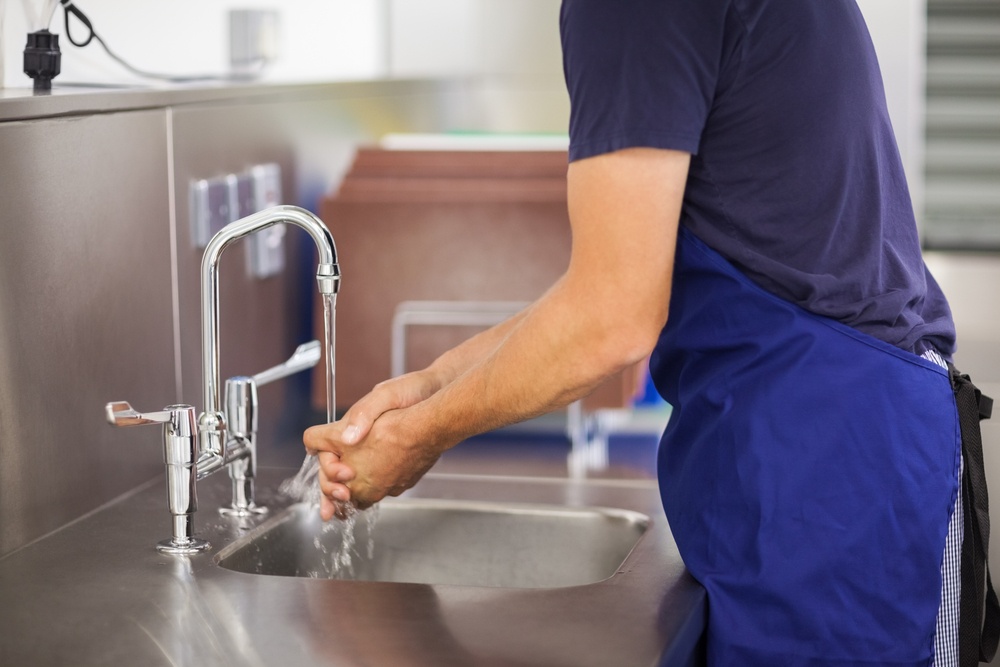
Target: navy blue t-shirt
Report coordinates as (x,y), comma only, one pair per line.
(795,175)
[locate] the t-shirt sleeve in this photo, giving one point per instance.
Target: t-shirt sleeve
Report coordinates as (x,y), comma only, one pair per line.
(640,73)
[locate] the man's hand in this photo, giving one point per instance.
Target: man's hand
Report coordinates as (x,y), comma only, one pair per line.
(387,460)
(330,441)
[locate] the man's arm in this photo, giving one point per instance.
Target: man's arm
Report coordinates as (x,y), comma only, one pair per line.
(604,314)
(393,394)
(405,390)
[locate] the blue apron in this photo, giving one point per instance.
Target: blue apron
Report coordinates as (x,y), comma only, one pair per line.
(808,472)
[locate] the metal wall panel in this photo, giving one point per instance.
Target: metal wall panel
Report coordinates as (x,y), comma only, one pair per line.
(85,313)
(89,200)
(257,315)
(313,139)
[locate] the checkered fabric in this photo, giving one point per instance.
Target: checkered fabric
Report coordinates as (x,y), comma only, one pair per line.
(946,632)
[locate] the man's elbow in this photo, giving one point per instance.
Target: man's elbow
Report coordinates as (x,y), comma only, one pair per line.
(629,343)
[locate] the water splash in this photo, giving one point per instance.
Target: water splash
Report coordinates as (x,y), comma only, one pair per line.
(304,486)
(338,542)
(371,518)
(341,561)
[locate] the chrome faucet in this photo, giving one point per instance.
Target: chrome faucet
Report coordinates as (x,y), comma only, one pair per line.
(194,449)
(241,421)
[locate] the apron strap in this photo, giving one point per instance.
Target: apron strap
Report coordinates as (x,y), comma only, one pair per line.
(979,620)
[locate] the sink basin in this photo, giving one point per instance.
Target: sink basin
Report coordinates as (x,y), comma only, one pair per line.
(444,542)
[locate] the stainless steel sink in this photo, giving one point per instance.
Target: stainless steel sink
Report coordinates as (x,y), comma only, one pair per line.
(444,542)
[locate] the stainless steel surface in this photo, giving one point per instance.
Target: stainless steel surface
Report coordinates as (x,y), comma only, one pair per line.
(85,312)
(23,104)
(118,602)
(97,178)
(94,230)
(468,543)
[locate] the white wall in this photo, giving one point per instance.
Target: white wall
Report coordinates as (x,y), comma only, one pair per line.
(320,39)
(513,45)
(3,41)
(509,48)
(899,30)
(506,37)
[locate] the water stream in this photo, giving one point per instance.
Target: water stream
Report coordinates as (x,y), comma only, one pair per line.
(304,486)
(330,346)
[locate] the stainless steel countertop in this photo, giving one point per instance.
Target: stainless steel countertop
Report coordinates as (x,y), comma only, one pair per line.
(78,100)
(96,592)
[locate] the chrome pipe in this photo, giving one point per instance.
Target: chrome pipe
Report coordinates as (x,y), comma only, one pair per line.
(211,422)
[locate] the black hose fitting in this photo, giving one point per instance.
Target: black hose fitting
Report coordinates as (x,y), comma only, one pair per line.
(42,58)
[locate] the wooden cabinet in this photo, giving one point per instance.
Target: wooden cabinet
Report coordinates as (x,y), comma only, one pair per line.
(447,226)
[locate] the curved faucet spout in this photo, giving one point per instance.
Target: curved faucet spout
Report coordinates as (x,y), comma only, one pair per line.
(327,278)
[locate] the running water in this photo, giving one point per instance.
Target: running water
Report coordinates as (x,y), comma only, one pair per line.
(341,563)
(330,340)
(304,486)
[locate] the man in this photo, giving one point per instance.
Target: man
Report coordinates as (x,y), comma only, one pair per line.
(738,209)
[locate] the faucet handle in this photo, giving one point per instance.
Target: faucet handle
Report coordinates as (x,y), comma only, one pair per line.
(241,415)
(120,413)
(305,356)
(180,452)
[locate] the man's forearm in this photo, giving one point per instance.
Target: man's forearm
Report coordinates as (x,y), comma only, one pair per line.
(461,358)
(550,356)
